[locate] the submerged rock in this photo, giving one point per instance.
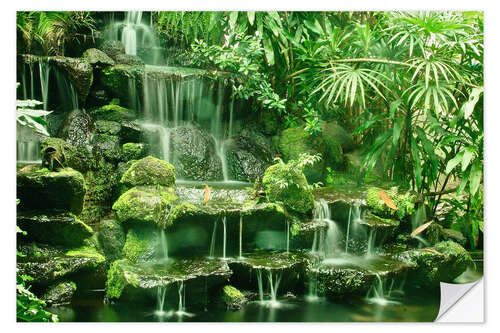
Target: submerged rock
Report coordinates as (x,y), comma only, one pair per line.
(295,141)
(145,204)
(62,229)
(97,58)
(149,171)
(194,155)
(296,196)
(62,293)
(231,298)
(441,263)
(48,264)
(111,238)
(43,189)
(141,282)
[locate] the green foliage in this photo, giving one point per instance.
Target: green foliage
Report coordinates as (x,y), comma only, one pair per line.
(29,117)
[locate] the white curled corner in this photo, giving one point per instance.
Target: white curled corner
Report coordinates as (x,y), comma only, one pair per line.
(451,296)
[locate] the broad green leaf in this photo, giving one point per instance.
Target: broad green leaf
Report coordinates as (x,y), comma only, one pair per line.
(475,177)
(468,155)
(394,107)
(417,166)
(233,16)
(251,17)
(454,162)
(268,49)
(468,107)
(397,130)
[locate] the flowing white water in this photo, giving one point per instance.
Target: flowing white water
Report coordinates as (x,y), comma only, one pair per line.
(287,235)
(370,246)
(273,282)
(312,294)
(160,302)
(347,232)
(325,244)
(378,294)
(44,68)
(212,242)
(28,152)
(164,246)
(241,237)
(225,239)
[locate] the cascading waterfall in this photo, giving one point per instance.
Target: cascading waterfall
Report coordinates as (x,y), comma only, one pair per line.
(225,238)
(287,235)
(354,217)
(164,246)
(44,82)
(273,284)
(160,301)
(370,245)
(328,244)
(241,237)
(212,242)
(312,294)
(378,294)
(28,152)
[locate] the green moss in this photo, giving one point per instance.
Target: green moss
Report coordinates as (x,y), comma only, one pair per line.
(405,202)
(112,112)
(295,141)
(335,155)
(133,151)
(296,196)
(87,252)
(116,280)
(232,298)
(149,171)
(145,204)
(107,127)
(138,243)
(57,153)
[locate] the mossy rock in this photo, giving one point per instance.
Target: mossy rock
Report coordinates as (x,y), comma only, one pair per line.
(405,202)
(231,298)
(43,189)
(145,205)
(107,145)
(140,244)
(97,58)
(107,127)
(112,112)
(58,229)
(149,171)
(296,141)
(61,293)
(116,79)
(442,263)
(133,151)
(297,196)
(333,132)
(57,154)
(453,235)
(111,238)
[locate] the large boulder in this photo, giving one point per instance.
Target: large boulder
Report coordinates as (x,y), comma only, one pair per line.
(57,153)
(333,133)
(77,128)
(133,151)
(128,59)
(444,262)
(107,145)
(149,171)
(145,204)
(62,229)
(116,80)
(78,71)
(112,112)
(43,189)
(296,196)
(97,58)
(112,48)
(248,156)
(193,154)
(231,298)
(111,237)
(296,141)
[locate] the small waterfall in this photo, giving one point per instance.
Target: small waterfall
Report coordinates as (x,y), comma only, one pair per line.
(44,82)
(67,91)
(370,245)
(378,294)
(312,294)
(273,280)
(327,244)
(355,217)
(287,235)
(129,34)
(241,237)
(274,284)
(164,246)
(212,242)
(259,283)
(217,132)
(161,139)
(182,298)
(225,238)
(160,301)
(28,152)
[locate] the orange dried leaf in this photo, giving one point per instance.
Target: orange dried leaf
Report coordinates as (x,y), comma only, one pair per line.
(388,201)
(206,196)
(420,229)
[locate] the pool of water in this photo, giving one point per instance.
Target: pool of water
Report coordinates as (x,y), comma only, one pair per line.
(417,306)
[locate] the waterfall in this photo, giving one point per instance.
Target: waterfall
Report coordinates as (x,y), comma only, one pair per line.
(241,237)
(164,246)
(212,243)
(224,243)
(327,244)
(67,91)
(182,297)
(370,245)
(312,294)
(273,281)
(287,235)
(129,34)
(259,283)
(216,129)
(273,285)
(44,82)
(355,217)
(160,301)
(378,294)
(28,152)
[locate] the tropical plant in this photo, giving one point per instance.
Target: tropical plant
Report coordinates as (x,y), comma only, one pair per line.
(32,118)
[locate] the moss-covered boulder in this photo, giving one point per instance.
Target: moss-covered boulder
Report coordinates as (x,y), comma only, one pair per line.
(107,145)
(128,59)
(77,128)
(442,263)
(333,132)
(112,48)
(60,294)
(111,238)
(43,189)
(50,264)
(107,127)
(145,204)
(79,73)
(296,196)
(404,201)
(133,151)
(112,112)
(296,141)
(140,244)
(194,155)
(231,298)
(453,235)
(116,80)
(128,282)
(149,171)
(62,229)
(57,153)
(97,58)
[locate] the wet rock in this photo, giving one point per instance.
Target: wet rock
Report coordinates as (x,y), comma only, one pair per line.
(231,298)
(107,145)
(130,131)
(107,127)
(142,282)
(133,151)
(43,189)
(345,276)
(116,80)
(97,98)
(441,263)
(248,156)
(98,58)
(128,59)
(297,196)
(289,268)
(194,156)
(140,244)
(61,229)
(112,112)
(78,71)
(145,204)
(48,264)
(57,153)
(150,171)
(77,128)
(62,293)
(111,237)
(295,141)
(304,235)
(112,48)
